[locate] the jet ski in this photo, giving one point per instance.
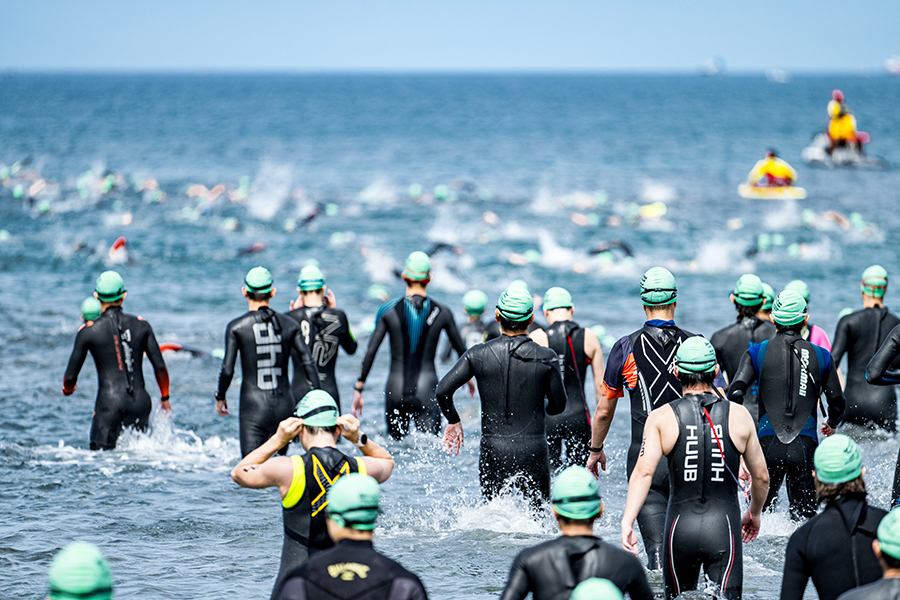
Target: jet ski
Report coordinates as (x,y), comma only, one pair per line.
(816,155)
(761,192)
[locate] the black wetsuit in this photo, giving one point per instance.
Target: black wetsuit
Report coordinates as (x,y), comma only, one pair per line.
(860,335)
(265,340)
(305,532)
(791,374)
(883,589)
(352,569)
(834,548)
(573,426)
(415,324)
(550,571)
(471,333)
(703,519)
(323,330)
(117,342)
(514,375)
(492,331)
(732,342)
(884,369)
(642,362)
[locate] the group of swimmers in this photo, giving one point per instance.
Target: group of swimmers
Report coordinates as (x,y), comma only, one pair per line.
(773,365)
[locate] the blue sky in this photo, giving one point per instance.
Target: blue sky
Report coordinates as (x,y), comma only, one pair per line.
(432,35)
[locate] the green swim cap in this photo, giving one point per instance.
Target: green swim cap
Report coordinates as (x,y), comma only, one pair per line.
(259,281)
(417,267)
(90,309)
(889,534)
(769,295)
(789,308)
(515,304)
(110,287)
(695,355)
(874,281)
(80,572)
(317,409)
(596,589)
(557,297)
(576,494)
(474,302)
(844,312)
(748,291)
(311,278)
(837,460)
(800,287)
(658,287)
(353,501)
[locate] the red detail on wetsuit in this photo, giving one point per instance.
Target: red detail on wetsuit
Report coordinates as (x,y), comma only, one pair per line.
(730,561)
(171,346)
(672,558)
(118,353)
(162,379)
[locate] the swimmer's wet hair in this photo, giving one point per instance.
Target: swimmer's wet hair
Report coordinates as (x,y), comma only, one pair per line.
(506,324)
(748,311)
(258,297)
(692,379)
(889,561)
(797,328)
(827,492)
(584,522)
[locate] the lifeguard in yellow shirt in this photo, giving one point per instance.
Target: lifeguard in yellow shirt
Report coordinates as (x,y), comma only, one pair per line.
(771,172)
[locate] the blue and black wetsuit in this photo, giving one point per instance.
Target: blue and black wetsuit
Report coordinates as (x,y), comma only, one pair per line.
(265,340)
(573,426)
(414,324)
(732,342)
(117,342)
(323,330)
(791,375)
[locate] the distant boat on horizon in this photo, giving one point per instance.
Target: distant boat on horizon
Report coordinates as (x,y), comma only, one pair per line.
(714,66)
(892,66)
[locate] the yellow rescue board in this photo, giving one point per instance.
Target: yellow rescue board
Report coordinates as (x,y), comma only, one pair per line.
(771,193)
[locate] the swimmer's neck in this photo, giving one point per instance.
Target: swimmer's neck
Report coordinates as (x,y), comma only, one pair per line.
(474,319)
(558,314)
(415,289)
(872,301)
(318,440)
(663,313)
(511,333)
(697,389)
(256,305)
(313,299)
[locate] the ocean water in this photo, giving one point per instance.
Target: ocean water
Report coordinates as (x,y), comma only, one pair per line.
(522,174)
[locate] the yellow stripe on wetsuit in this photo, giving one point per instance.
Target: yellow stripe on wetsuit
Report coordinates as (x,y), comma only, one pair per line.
(298,483)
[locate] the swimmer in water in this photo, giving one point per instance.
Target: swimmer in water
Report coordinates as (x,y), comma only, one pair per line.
(578,349)
(553,569)
(414,323)
(765,311)
(118,343)
(704,438)
(732,342)
(643,362)
(790,374)
(265,340)
(887,549)
(352,568)
(473,331)
(80,571)
(514,376)
(304,480)
(834,548)
(324,329)
(810,332)
(859,335)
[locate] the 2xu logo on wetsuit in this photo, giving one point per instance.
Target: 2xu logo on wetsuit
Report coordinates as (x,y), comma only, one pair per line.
(326,343)
(267,343)
(692,453)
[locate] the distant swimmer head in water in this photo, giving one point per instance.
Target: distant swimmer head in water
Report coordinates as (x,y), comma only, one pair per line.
(576,494)
(799,286)
(695,355)
(90,309)
(417,268)
(474,302)
(258,285)
(874,281)
(596,588)
(80,571)
(658,287)
(789,309)
(110,288)
(353,501)
(515,309)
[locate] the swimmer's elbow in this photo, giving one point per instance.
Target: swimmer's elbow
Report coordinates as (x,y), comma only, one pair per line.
(387,467)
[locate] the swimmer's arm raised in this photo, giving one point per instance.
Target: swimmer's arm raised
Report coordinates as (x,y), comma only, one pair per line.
(257,471)
(379,462)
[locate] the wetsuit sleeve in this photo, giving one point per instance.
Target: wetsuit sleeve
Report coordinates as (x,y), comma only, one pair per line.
(555,390)
(517,585)
(839,347)
(159,364)
(743,379)
(227,372)
(405,588)
(831,385)
(614,378)
(878,371)
(309,367)
(796,571)
(374,342)
(348,340)
(639,588)
(76,361)
(455,338)
(455,378)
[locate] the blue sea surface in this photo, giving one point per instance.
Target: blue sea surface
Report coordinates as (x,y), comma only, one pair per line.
(522,175)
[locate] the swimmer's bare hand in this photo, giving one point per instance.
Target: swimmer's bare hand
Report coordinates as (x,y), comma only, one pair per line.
(594,459)
(827,429)
(298,303)
(471,385)
(330,300)
(749,527)
(349,427)
(629,539)
(453,438)
(165,406)
(744,473)
(222,408)
(288,430)
(356,407)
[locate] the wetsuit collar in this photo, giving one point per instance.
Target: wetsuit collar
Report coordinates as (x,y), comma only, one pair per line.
(660,323)
(357,543)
